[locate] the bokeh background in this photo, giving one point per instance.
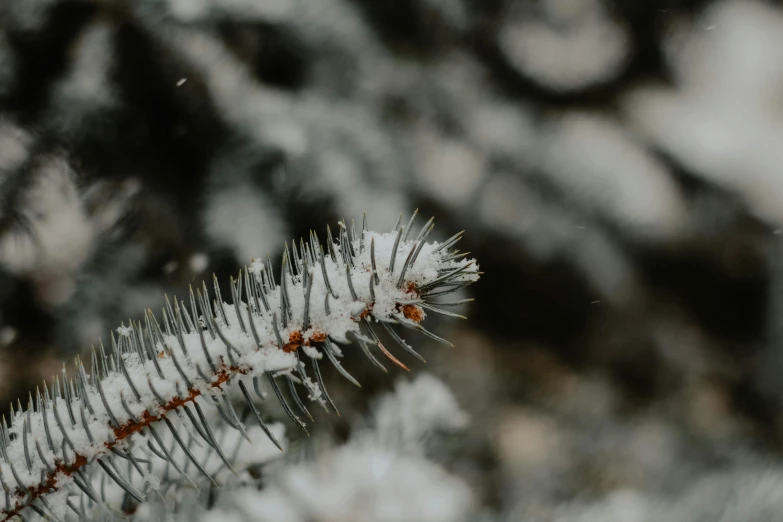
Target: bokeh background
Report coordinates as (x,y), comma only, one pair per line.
(617,166)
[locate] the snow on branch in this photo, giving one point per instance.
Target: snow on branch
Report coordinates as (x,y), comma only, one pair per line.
(325,292)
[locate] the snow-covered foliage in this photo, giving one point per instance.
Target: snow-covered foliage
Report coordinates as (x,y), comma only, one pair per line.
(616,163)
(324,296)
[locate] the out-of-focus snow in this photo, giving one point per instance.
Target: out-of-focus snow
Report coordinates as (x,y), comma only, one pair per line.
(722,120)
(376,476)
(568,45)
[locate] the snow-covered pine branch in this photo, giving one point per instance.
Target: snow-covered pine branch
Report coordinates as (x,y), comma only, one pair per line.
(325,292)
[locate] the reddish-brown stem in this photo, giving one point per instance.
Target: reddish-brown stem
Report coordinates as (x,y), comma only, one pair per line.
(120,434)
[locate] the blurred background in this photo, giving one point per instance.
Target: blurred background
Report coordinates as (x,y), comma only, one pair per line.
(617,166)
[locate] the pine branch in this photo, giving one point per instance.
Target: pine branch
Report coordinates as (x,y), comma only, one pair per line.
(325,293)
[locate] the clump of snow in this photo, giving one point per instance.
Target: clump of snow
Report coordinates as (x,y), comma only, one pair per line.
(368,483)
(417,408)
(190,11)
(198,262)
(61,232)
(256,267)
(600,165)
(124,331)
(81,100)
(369,479)
(170,267)
(7,335)
(14,147)
(312,352)
(450,169)
(572,44)
(242,218)
(722,119)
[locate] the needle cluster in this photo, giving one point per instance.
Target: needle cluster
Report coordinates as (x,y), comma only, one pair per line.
(273,329)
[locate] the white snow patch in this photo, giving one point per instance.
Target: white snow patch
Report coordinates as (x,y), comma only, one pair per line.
(242,218)
(574,44)
(723,122)
(600,165)
(365,479)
